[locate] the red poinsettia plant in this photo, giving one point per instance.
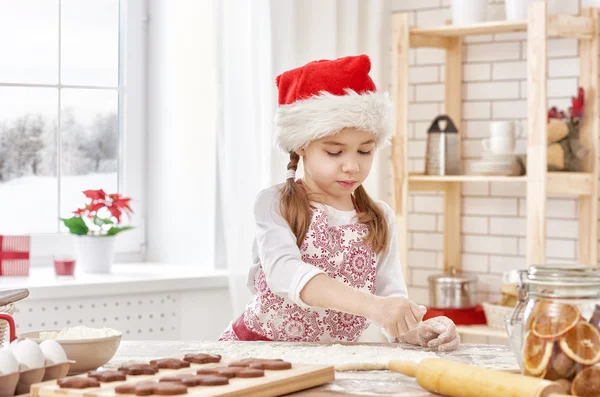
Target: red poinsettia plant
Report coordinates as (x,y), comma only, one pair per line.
(101,216)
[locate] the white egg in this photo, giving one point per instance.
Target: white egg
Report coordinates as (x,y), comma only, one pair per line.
(13,344)
(53,352)
(8,362)
(28,354)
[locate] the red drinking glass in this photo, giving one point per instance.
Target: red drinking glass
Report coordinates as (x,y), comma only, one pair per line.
(64,265)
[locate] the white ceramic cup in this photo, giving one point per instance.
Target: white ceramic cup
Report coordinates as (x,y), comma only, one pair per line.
(516,10)
(503,137)
(465,12)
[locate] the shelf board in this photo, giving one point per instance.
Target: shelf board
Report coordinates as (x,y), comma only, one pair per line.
(474,29)
(481,330)
(465,178)
(568,183)
(581,27)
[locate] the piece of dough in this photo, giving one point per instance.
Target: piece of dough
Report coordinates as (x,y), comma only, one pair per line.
(361,357)
(360,366)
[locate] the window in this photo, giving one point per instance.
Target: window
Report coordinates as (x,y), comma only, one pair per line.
(71,112)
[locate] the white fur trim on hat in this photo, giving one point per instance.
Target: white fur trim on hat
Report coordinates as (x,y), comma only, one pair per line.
(301,122)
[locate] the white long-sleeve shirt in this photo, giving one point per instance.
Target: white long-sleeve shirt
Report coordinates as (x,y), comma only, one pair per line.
(286,274)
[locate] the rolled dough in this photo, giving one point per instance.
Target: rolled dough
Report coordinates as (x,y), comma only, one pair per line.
(342,357)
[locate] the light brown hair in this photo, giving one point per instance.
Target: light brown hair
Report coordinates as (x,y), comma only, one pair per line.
(296,210)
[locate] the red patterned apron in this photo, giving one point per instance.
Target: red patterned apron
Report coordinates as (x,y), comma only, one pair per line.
(341,253)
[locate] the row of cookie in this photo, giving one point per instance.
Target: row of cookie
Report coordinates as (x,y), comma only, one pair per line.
(201,358)
(246,368)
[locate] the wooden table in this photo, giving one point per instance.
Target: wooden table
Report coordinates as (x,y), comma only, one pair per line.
(351,383)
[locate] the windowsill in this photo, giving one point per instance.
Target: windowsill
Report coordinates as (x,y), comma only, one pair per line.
(125,279)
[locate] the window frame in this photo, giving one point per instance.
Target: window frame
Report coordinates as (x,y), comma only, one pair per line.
(132,88)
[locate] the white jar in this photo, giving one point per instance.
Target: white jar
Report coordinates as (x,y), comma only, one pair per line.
(516,10)
(465,12)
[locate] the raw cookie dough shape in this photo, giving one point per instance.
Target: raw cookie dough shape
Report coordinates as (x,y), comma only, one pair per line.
(257,363)
(202,358)
(170,363)
(78,382)
(250,373)
(131,388)
(107,376)
(191,380)
(147,388)
(228,372)
(138,369)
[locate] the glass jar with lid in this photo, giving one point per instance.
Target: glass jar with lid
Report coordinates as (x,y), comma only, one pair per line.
(555,328)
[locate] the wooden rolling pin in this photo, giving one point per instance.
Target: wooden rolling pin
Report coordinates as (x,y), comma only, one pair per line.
(455,379)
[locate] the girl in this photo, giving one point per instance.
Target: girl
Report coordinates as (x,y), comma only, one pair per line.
(326,261)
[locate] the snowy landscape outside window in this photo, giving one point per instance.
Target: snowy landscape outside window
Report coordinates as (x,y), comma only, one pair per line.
(59,108)
(72,116)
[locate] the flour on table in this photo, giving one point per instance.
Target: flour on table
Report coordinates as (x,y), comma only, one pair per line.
(342,357)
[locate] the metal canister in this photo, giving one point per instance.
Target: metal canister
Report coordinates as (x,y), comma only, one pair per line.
(452,290)
(443,155)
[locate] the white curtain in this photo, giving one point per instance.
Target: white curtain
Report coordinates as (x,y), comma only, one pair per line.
(258,40)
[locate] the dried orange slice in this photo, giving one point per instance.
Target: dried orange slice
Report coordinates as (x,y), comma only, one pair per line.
(555,320)
(587,383)
(537,308)
(582,343)
(536,355)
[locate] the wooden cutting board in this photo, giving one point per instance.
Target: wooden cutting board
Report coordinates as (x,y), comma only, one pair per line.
(274,383)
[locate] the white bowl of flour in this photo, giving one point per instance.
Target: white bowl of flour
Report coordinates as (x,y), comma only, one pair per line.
(89,348)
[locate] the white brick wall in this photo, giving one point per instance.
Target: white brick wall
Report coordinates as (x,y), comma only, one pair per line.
(494,88)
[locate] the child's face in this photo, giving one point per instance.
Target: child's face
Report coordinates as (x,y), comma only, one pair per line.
(338,164)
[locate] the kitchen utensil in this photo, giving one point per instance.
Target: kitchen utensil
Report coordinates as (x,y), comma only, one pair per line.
(87,354)
(442,156)
(12,295)
(452,290)
(274,383)
(11,326)
(455,379)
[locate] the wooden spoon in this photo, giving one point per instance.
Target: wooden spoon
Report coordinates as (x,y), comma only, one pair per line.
(12,295)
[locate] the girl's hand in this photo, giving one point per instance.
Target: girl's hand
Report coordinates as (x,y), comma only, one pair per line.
(437,332)
(394,315)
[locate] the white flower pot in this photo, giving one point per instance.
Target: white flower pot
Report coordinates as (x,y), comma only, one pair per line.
(94,254)
(465,12)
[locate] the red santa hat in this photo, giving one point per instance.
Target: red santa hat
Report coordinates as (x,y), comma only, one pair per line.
(322,97)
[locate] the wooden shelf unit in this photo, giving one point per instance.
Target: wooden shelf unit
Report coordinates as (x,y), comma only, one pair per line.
(559,183)
(540,26)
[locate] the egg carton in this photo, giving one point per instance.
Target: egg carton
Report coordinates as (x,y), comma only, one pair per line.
(8,309)
(19,383)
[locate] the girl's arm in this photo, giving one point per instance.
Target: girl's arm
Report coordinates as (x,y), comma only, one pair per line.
(438,332)
(394,315)
(279,255)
